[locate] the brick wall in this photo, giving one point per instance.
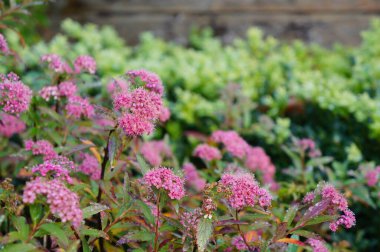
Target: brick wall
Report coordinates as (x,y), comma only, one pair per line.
(321,21)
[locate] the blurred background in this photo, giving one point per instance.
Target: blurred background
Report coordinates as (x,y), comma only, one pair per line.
(324,22)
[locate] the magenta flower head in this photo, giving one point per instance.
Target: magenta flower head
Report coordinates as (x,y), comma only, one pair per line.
(164,114)
(155,151)
(10,125)
(239,243)
(149,80)
(56,63)
(243,191)
(90,166)
(327,200)
(207,152)
(117,85)
(317,245)
(58,167)
(49,92)
(85,63)
(63,202)
(232,142)
(192,177)
(14,95)
(41,147)
(3,45)
(78,106)
(308,146)
(164,178)
(67,89)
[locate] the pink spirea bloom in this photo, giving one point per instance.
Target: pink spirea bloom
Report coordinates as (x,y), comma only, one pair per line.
(165,178)
(3,45)
(150,80)
(190,220)
(14,95)
(67,88)
(56,63)
(10,125)
(239,244)
(164,114)
(49,92)
(232,142)
(317,245)
(308,145)
(78,106)
(245,191)
(134,125)
(117,85)
(257,159)
(326,199)
(90,166)
(41,147)
(85,63)
(372,176)
(63,202)
(207,152)
(192,177)
(154,151)
(58,167)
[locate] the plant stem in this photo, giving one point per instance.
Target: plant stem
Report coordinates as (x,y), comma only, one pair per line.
(99,198)
(157,222)
(241,233)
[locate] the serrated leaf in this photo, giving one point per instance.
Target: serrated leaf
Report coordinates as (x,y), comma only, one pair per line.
(56,231)
(146,211)
(36,212)
(305,233)
(204,233)
(94,233)
(290,214)
(93,209)
(142,164)
(21,226)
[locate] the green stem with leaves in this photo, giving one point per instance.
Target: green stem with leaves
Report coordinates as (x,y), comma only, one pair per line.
(241,232)
(157,223)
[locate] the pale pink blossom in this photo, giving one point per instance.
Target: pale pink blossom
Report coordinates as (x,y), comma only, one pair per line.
(56,63)
(150,80)
(232,142)
(41,147)
(78,107)
(4,45)
(164,114)
(85,63)
(207,152)
(317,245)
(154,151)
(49,92)
(10,125)
(67,88)
(134,125)
(192,177)
(90,166)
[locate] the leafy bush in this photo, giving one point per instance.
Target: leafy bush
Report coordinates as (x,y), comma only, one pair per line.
(83,172)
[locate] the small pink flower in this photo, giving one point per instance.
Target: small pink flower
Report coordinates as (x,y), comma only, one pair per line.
(154,151)
(117,85)
(232,142)
(85,63)
(67,88)
(317,245)
(49,92)
(10,125)
(56,63)
(14,95)
(239,244)
(164,114)
(165,178)
(372,176)
(134,125)
(150,80)
(90,166)
(207,152)
(78,106)
(308,145)
(41,147)
(4,45)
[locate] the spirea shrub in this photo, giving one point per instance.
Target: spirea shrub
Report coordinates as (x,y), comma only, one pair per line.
(97,171)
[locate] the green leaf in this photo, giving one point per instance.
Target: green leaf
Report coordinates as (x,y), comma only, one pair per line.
(112,148)
(24,247)
(363,193)
(94,233)
(320,219)
(141,236)
(21,226)
(55,230)
(143,165)
(36,212)
(290,214)
(74,246)
(204,233)
(305,233)
(93,209)
(146,211)
(294,157)
(293,247)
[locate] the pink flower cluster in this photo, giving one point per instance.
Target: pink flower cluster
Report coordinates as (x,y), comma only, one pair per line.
(327,198)
(58,167)
(207,152)
(90,166)
(139,108)
(239,244)
(78,106)
(192,177)
(67,89)
(63,202)
(154,151)
(257,159)
(232,142)
(41,147)
(150,80)
(10,125)
(14,95)
(56,63)
(85,63)
(372,176)
(49,92)
(317,245)
(190,220)
(308,146)
(3,45)
(164,114)
(117,85)
(165,178)
(244,191)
